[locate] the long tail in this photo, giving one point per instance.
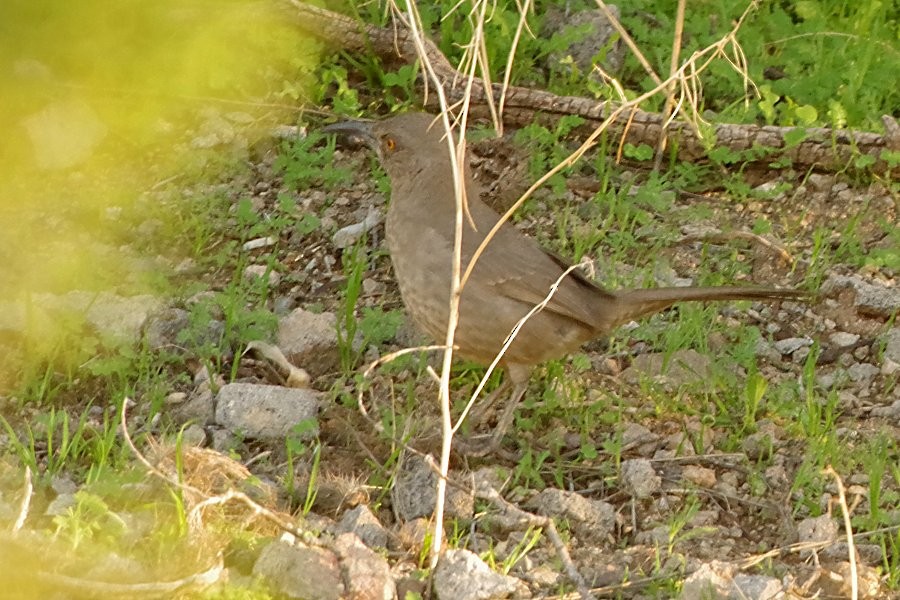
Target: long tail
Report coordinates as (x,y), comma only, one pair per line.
(633,304)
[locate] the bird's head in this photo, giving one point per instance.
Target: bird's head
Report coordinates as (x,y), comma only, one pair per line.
(404,143)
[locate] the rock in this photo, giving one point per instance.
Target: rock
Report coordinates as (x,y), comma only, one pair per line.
(756,587)
(758,445)
(253,272)
(266,411)
(700,476)
(413,534)
(300,572)
(61,504)
(871,298)
(347,236)
(309,340)
(194,435)
(892,345)
(639,438)
(199,408)
(362,522)
(862,373)
(263,242)
(461,575)
(163,326)
(164,330)
(638,478)
(843,339)
(414,492)
(889,367)
(591,520)
(817,529)
(820,182)
(712,581)
(115,318)
(791,345)
(590,33)
(679,368)
(367,574)
(890,412)
(766,350)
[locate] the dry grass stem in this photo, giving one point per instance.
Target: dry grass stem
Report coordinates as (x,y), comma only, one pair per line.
(455,283)
(270,515)
(669,109)
(25,505)
(848,531)
(629,41)
(722,237)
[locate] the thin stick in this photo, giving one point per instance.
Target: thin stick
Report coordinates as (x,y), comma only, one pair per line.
(670,94)
(523,23)
(455,281)
(848,530)
(629,42)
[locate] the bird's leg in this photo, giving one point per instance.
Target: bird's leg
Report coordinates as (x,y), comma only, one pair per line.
(480,410)
(516,376)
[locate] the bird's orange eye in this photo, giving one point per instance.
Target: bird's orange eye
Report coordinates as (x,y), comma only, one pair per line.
(390,144)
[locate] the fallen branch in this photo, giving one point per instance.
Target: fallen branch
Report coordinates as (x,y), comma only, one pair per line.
(822,148)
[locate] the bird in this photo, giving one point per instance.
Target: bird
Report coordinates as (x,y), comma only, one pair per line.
(512,275)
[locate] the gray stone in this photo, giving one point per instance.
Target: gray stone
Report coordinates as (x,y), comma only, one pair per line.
(712,581)
(415,492)
(889,412)
(163,326)
(194,435)
(683,367)
(889,367)
(820,182)
(766,350)
(791,345)
(265,411)
(253,272)
(817,529)
(639,438)
(309,340)
(591,520)
(362,522)
(892,345)
(115,318)
(461,575)
(61,504)
(842,339)
(347,236)
(300,572)
(755,587)
(200,407)
(367,574)
(257,243)
(871,298)
(590,32)
(638,478)
(758,445)
(862,373)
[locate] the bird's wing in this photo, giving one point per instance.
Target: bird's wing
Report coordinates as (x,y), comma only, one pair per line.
(517,267)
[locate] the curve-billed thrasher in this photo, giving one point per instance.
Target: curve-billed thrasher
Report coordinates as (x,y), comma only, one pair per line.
(512,275)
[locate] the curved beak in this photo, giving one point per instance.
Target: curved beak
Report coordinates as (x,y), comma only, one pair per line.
(354,133)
